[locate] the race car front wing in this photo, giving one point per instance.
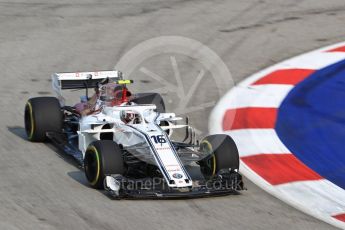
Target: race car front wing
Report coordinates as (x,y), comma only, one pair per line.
(222,184)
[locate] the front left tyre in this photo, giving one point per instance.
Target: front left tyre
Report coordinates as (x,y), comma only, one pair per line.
(42,115)
(102,158)
(222,153)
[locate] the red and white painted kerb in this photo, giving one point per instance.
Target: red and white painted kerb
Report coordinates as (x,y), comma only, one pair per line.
(248,114)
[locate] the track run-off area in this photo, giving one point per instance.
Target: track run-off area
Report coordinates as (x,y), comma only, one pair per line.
(287,122)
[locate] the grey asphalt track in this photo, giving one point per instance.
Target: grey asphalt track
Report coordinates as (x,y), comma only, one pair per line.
(42,189)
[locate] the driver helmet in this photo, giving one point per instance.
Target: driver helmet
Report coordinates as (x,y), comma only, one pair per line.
(127,116)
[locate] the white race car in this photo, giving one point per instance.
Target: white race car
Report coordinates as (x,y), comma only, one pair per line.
(123,141)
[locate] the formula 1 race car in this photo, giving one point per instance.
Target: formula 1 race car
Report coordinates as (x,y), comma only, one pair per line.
(124,141)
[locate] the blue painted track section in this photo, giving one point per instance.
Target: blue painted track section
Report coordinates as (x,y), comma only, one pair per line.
(311,122)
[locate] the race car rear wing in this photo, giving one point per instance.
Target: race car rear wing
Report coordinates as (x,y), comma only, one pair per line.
(81,80)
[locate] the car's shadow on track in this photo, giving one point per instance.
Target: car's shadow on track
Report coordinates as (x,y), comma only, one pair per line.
(20,132)
(77,175)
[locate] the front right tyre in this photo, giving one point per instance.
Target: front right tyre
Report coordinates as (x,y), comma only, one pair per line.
(102,158)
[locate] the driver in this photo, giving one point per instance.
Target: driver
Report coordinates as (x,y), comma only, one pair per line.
(128,116)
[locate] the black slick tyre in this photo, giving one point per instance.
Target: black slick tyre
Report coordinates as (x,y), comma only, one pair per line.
(223,154)
(102,158)
(42,115)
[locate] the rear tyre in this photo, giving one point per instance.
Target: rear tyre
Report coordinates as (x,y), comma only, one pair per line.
(151,98)
(102,158)
(223,154)
(42,115)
